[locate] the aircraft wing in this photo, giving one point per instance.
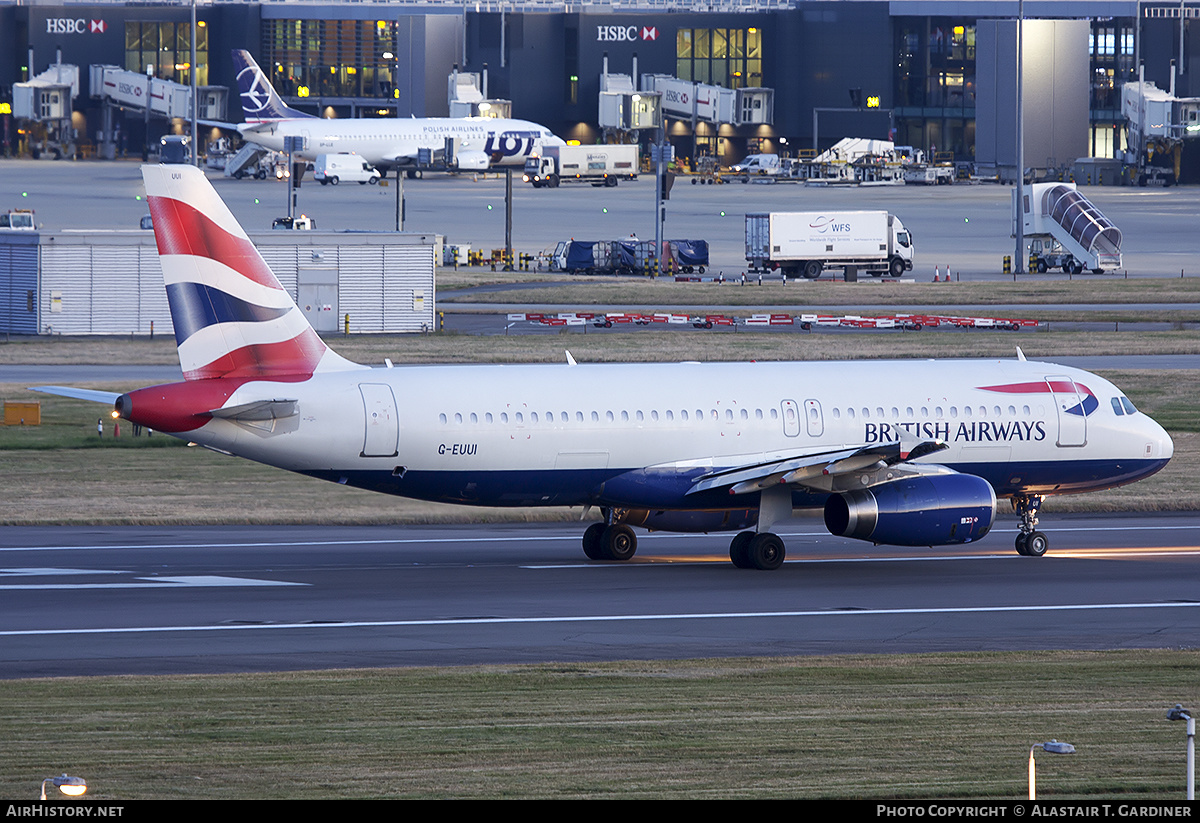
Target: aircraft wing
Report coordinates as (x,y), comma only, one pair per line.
(824,471)
(401,155)
(90,395)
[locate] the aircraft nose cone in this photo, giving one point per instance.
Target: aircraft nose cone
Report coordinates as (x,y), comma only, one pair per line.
(1165,444)
(1158,443)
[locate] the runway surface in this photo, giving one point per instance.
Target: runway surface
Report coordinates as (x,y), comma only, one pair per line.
(90,600)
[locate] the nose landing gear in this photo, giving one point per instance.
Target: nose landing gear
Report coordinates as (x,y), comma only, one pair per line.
(1030,542)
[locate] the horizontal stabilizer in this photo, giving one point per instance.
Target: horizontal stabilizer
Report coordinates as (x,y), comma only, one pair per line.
(91,395)
(258,410)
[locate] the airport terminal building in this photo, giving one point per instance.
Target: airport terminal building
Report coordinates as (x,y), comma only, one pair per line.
(927,73)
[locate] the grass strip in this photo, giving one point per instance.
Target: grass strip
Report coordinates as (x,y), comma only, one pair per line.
(898,726)
(593,345)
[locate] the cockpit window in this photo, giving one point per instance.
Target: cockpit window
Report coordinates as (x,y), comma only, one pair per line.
(1129,407)
(1118,409)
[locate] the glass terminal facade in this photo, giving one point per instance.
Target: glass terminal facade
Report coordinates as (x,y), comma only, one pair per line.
(165,48)
(331,58)
(731,58)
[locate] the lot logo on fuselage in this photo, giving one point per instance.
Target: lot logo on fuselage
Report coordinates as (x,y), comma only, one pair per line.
(510,143)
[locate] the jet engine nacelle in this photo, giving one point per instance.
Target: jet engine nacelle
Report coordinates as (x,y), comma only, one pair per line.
(471,161)
(690,521)
(926,510)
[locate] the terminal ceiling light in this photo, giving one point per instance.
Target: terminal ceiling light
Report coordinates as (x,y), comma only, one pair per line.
(65,783)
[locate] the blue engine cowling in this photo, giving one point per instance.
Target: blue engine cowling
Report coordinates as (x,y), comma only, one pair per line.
(928,510)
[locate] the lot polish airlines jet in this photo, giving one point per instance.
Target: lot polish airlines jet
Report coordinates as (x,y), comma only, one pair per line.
(910,453)
(383,142)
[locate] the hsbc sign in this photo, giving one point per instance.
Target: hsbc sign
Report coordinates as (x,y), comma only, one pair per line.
(625,34)
(74,25)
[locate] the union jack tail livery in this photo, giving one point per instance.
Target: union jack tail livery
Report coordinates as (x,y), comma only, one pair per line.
(232,317)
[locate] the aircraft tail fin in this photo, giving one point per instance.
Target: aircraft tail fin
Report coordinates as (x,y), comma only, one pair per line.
(260,103)
(232,317)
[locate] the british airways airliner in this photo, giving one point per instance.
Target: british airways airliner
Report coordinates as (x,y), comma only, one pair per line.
(909,453)
(482,142)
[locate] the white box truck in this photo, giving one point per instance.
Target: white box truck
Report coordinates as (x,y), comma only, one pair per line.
(600,165)
(331,169)
(807,243)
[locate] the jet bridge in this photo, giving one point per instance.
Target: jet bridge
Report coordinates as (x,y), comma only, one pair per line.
(1082,237)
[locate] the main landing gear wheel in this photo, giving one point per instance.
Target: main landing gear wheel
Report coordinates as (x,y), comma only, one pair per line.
(763,551)
(1033,544)
(615,542)
(739,549)
(591,541)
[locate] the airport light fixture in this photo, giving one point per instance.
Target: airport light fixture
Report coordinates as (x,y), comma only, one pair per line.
(1180,713)
(195,94)
(1051,746)
(65,783)
(1020,129)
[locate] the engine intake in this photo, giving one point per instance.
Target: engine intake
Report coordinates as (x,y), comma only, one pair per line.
(934,510)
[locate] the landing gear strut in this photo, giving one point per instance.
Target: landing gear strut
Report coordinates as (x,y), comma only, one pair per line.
(762,549)
(1030,542)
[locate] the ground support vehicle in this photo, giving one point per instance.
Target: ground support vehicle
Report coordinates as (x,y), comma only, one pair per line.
(331,169)
(600,165)
(708,171)
(21,219)
(688,255)
(1066,231)
(807,243)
